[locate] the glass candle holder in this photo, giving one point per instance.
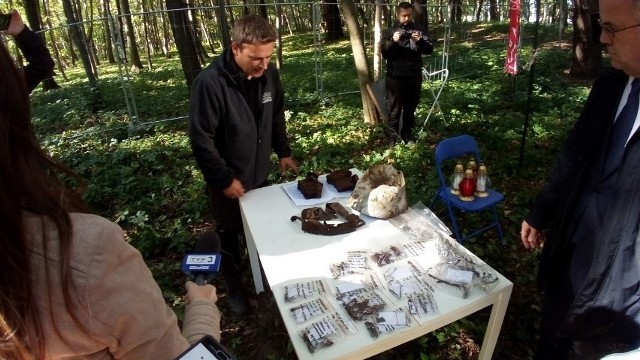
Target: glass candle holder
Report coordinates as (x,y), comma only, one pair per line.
(458,175)
(467,186)
(482,182)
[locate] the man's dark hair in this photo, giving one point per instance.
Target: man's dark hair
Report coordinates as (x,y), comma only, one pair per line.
(253,29)
(404,6)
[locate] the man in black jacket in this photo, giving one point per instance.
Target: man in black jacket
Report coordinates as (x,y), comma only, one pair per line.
(236,119)
(590,264)
(403,45)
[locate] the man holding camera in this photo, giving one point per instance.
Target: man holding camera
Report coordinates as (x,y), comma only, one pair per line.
(403,45)
(40,64)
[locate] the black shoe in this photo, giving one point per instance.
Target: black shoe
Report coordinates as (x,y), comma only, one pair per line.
(235,297)
(237,304)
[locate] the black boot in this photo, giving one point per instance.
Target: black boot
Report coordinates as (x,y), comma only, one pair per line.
(235,297)
(230,267)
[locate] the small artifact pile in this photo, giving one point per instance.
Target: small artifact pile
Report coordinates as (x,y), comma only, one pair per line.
(310,187)
(343,180)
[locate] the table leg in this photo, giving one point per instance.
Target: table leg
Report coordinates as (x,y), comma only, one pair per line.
(256,272)
(255,264)
(498,310)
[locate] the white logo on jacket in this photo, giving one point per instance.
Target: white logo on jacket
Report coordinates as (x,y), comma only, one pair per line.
(266,97)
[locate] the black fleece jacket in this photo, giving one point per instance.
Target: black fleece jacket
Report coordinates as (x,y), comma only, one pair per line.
(227,139)
(40,64)
(403,60)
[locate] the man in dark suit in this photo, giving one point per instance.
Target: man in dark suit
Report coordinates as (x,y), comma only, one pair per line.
(590,264)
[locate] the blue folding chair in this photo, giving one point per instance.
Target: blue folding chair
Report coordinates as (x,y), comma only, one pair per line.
(455,148)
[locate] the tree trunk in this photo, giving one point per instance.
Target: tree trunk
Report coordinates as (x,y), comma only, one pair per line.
(297,22)
(193,28)
(155,32)
(279,39)
(479,11)
(377,36)
(456,11)
(145,27)
(564,14)
(77,9)
(54,44)
(332,21)
(106,12)
(420,15)
(262,10)
(165,31)
(493,10)
(95,60)
(134,55)
(78,38)
(586,61)
(204,29)
(360,59)
(287,18)
(361,14)
(184,41)
(223,24)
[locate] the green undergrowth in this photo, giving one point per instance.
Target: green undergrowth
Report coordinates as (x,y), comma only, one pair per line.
(144,177)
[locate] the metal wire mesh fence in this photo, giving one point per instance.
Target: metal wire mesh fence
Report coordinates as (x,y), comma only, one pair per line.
(146,56)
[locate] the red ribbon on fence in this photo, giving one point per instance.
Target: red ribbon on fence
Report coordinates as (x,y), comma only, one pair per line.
(511,62)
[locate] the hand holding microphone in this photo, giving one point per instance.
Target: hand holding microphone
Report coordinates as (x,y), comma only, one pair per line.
(202,265)
(194,292)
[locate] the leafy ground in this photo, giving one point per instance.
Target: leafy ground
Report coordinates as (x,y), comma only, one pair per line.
(145,179)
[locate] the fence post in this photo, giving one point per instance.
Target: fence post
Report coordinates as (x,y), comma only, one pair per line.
(123,74)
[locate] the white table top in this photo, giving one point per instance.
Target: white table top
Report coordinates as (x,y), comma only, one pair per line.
(288,255)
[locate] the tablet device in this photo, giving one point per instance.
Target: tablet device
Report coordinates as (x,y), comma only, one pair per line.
(207,348)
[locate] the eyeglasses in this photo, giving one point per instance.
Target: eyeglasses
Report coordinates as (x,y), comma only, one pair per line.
(607,28)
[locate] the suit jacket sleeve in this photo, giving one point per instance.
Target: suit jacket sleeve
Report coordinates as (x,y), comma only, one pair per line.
(205,108)
(582,143)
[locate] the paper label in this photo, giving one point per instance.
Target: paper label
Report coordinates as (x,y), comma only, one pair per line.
(459,276)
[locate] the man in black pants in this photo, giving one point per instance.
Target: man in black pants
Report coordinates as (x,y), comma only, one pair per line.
(236,119)
(403,45)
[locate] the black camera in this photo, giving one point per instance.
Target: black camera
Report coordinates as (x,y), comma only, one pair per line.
(5,20)
(406,34)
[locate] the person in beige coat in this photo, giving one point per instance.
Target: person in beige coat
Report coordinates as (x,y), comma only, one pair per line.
(71,287)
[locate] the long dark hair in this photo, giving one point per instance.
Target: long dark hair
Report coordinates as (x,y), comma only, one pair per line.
(28,184)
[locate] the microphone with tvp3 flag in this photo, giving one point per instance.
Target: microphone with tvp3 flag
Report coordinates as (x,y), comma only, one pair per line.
(204,262)
(202,265)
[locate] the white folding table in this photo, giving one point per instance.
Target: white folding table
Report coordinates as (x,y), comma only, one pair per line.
(289,255)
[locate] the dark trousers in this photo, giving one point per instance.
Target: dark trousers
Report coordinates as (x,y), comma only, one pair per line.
(403,95)
(557,300)
(228,222)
